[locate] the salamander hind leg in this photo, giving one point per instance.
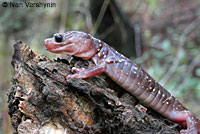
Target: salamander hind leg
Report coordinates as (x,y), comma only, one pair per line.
(187,120)
(86,73)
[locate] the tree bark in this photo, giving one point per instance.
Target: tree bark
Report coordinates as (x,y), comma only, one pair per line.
(43,101)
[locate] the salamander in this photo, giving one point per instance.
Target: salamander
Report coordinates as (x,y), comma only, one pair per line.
(125,73)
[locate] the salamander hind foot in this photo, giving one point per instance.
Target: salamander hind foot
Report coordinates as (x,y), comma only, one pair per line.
(187,120)
(188,132)
(193,124)
(191,130)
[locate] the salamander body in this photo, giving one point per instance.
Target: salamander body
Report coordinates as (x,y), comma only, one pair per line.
(125,73)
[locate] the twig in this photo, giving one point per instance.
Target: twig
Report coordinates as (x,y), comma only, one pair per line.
(177,59)
(137,39)
(107,31)
(87,16)
(100,17)
(63,15)
(190,67)
(117,19)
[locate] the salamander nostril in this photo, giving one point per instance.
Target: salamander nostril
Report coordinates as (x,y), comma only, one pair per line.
(58,37)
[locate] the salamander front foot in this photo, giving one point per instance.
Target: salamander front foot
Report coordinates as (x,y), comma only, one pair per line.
(75,69)
(76,76)
(82,73)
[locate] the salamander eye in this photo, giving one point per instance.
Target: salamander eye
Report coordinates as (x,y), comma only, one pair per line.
(58,37)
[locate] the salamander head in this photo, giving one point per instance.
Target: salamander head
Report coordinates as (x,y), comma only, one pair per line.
(72,43)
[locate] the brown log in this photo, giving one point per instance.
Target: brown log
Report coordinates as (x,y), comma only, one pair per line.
(43,101)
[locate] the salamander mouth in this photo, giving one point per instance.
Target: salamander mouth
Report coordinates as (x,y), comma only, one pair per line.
(52,45)
(66,47)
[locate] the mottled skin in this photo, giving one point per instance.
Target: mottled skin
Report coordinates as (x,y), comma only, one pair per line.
(125,73)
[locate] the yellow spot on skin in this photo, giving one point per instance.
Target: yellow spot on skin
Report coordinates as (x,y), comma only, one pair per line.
(150,87)
(104,56)
(99,54)
(98,49)
(192,118)
(168,99)
(149,80)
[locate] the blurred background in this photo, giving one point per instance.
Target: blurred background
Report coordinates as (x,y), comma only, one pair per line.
(162,36)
